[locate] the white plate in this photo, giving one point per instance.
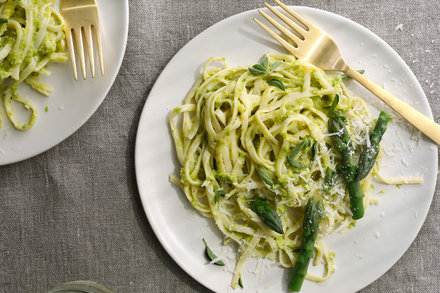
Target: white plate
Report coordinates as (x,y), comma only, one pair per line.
(72,103)
(364,253)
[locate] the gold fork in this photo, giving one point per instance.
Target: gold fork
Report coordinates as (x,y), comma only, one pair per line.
(316,47)
(81,16)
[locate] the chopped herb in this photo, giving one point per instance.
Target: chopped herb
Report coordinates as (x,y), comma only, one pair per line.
(277,83)
(47,109)
(347,77)
(313,152)
(335,102)
(240,282)
(320,209)
(217,195)
(211,256)
(3,20)
(297,164)
(295,151)
(277,186)
(337,113)
(306,142)
(329,179)
(264,175)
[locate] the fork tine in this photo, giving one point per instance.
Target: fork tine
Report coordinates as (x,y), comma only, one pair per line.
(89,44)
(80,49)
(298,17)
(285,31)
(297,28)
(71,52)
(284,43)
(99,47)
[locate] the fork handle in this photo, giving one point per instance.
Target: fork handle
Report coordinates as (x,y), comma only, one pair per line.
(417,119)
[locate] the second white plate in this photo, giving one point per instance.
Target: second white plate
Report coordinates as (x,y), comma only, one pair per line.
(363,253)
(72,102)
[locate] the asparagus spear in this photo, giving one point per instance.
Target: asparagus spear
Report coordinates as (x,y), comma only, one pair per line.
(310,232)
(348,168)
(369,155)
(356,199)
(344,147)
(211,256)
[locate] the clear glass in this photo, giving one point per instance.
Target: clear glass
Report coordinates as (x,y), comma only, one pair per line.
(81,287)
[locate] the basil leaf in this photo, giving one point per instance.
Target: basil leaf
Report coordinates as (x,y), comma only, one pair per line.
(277,83)
(264,175)
(3,20)
(211,256)
(348,77)
(256,71)
(263,67)
(265,62)
(260,67)
(275,65)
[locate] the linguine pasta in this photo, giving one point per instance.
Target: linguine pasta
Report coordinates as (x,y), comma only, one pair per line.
(31,37)
(232,122)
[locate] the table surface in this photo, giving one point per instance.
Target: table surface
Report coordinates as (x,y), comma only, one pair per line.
(74,212)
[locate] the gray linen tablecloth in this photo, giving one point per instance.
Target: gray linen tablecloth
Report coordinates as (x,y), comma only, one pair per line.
(74,212)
